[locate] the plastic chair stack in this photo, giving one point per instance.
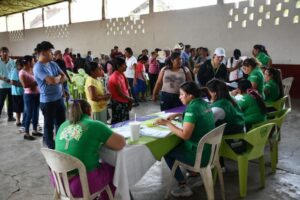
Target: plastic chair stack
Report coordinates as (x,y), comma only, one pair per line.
(60,164)
(212,138)
(255,141)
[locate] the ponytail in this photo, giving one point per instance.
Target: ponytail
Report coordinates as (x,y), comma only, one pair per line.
(245,86)
(261,104)
(77,109)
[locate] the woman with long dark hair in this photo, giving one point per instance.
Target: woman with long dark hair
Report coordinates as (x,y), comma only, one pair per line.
(260,53)
(121,99)
(224,107)
(273,88)
(31,97)
(197,121)
(251,103)
(169,80)
(95,92)
(255,75)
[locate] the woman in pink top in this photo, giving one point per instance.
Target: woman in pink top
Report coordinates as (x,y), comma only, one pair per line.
(121,100)
(68,60)
(31,97)
(153,70)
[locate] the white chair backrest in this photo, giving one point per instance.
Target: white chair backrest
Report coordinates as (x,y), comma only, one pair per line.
(213,138)
(61,164)
(287,84)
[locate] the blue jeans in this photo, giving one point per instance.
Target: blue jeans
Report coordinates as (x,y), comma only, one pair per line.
(54,114)
(6,92)
(31,111)
(177,154)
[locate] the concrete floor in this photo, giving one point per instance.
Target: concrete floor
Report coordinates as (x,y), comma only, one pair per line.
(24,174)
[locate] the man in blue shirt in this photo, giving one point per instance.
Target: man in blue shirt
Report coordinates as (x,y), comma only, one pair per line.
(50,78)
(6,67)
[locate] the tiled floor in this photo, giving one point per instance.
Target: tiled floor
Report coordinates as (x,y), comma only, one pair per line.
(24,175)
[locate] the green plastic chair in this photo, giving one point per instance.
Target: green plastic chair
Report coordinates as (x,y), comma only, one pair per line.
(79,82)
(277,118)
(255,143)
(279,104)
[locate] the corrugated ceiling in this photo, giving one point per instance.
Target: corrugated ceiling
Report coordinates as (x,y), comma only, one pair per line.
(14,6)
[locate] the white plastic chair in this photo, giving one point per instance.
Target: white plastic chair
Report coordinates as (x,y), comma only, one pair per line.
(214,139)
(287,85)
(60,164)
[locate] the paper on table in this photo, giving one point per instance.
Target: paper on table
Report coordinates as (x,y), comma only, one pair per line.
(123,130)
(155,132)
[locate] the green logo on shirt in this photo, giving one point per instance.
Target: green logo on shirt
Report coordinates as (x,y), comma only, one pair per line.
(71,132)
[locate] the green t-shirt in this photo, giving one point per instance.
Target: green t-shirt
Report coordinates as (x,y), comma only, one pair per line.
(271,90)
(256,76)
(233,116)
(83,140)
(263,58)
(198,113)
(252,113)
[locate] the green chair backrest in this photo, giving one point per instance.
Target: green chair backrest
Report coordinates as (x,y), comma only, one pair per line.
(279,104)
(257,139)
(276,117)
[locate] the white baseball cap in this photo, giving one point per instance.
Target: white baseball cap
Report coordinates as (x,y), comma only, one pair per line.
(178,46)
(220,51)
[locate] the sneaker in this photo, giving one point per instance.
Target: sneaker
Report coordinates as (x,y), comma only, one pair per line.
(21,130)
(38,134)
(11,119)
(28,137)
(182,191)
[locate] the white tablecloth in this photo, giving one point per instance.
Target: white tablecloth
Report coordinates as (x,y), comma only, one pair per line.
(131,164)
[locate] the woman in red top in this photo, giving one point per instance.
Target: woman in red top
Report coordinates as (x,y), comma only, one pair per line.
(121,99)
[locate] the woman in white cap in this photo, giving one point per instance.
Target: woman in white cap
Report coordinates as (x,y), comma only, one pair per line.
(213,68)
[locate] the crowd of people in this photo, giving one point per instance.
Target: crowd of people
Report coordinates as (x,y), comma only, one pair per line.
(184,76)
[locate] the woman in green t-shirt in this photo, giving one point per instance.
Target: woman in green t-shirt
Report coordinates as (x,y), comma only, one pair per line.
(197,121)
(273,88)
(81,137)
(224,108)
(260,53)
(251,103)
(255,75)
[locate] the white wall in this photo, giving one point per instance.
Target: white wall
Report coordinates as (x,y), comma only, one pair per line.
(205,26)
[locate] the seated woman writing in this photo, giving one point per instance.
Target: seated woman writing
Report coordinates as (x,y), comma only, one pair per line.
(224,108)
(197,121)
(251,103)
(81,137)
